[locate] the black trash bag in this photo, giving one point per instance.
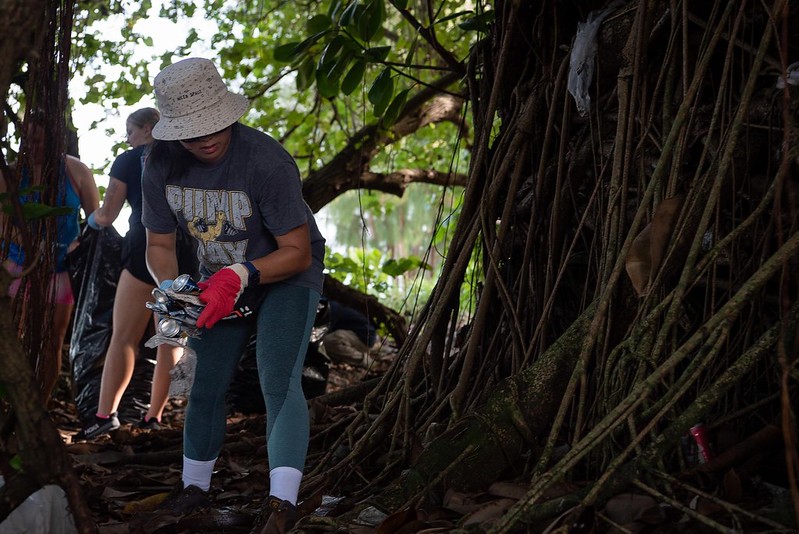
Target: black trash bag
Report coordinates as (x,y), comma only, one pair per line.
(315,372)
(94,268)
(244,395)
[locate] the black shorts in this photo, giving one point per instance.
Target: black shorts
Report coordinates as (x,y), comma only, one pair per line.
(134,246)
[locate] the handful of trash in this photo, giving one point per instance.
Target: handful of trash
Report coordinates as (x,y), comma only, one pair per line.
(178,308)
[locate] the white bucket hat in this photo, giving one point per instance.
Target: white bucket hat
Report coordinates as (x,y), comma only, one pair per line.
(194,101)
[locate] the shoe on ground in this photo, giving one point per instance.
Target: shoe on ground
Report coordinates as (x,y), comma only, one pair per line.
(150,424)
(99,427)
(183,501)
(276,517)
(180,505)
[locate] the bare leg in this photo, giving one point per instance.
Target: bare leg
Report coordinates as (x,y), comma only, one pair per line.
(166,359)
(130,322)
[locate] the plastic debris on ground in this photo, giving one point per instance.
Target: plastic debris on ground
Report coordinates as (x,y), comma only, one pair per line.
(45,511)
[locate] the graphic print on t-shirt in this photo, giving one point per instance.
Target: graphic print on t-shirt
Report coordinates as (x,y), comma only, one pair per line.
(215,218)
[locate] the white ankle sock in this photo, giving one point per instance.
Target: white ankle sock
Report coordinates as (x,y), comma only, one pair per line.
(198,473)
(284,483)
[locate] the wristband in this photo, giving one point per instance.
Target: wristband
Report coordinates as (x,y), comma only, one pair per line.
(254,274)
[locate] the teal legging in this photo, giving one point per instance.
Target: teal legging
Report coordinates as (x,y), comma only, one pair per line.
(283,325)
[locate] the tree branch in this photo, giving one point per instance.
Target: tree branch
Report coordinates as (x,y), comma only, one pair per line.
(379,314)
(345,171)
(396,182)
(426,33)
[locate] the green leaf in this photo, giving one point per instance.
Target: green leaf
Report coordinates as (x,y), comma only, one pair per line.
(478,22)
(35,210)
(395,108)
(327,86)
(412,50)
(353,78)
(455,16)
(305,74)
(401,4)
(369,22)
(339,66)
(333,47)
(349,13)
(333,9)
(339,263)
(378,53)
(286,53)
(399,267)
(319,23)
(381,91)
(32,189)
(16,462)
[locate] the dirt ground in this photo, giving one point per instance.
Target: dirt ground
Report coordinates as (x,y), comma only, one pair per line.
(127,474)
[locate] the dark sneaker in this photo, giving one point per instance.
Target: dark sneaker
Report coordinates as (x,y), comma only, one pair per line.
(150,424)
(99,427)
(276,517)
(179,506)
(182,501)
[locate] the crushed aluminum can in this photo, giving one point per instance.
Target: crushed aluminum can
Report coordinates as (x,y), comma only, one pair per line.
(177,309)
(184,284)
(169,327)
(160,296)
(699,433)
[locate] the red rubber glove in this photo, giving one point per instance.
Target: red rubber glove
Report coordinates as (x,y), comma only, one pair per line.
(220,293)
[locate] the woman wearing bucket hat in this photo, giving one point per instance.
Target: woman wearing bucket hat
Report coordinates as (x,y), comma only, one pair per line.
(239,194)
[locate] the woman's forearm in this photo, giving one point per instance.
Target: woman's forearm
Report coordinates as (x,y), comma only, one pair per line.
(115,195)
(161,256)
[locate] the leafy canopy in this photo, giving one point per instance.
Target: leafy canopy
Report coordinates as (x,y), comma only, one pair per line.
(316,74)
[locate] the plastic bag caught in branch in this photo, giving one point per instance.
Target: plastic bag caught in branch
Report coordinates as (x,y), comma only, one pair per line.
(792,78)
(583,54)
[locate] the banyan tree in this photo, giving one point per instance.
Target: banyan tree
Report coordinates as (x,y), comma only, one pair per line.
(631,202)
(623,272)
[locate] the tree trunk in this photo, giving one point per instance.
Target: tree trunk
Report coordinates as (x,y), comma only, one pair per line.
(27,428)
(22,22)
(44,459)
(483,446)
(685,133)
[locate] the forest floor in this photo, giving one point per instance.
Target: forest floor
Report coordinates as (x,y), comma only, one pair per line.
(128,473)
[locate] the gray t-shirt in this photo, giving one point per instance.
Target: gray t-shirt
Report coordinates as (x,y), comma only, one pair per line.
(236,206)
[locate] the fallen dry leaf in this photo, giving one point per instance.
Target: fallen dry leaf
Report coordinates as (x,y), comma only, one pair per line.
(627,508)
(488,511)
(639,262)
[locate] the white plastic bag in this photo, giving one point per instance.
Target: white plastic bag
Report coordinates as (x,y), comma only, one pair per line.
(183,374)
(583,54)
(792,78)
(46,511)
